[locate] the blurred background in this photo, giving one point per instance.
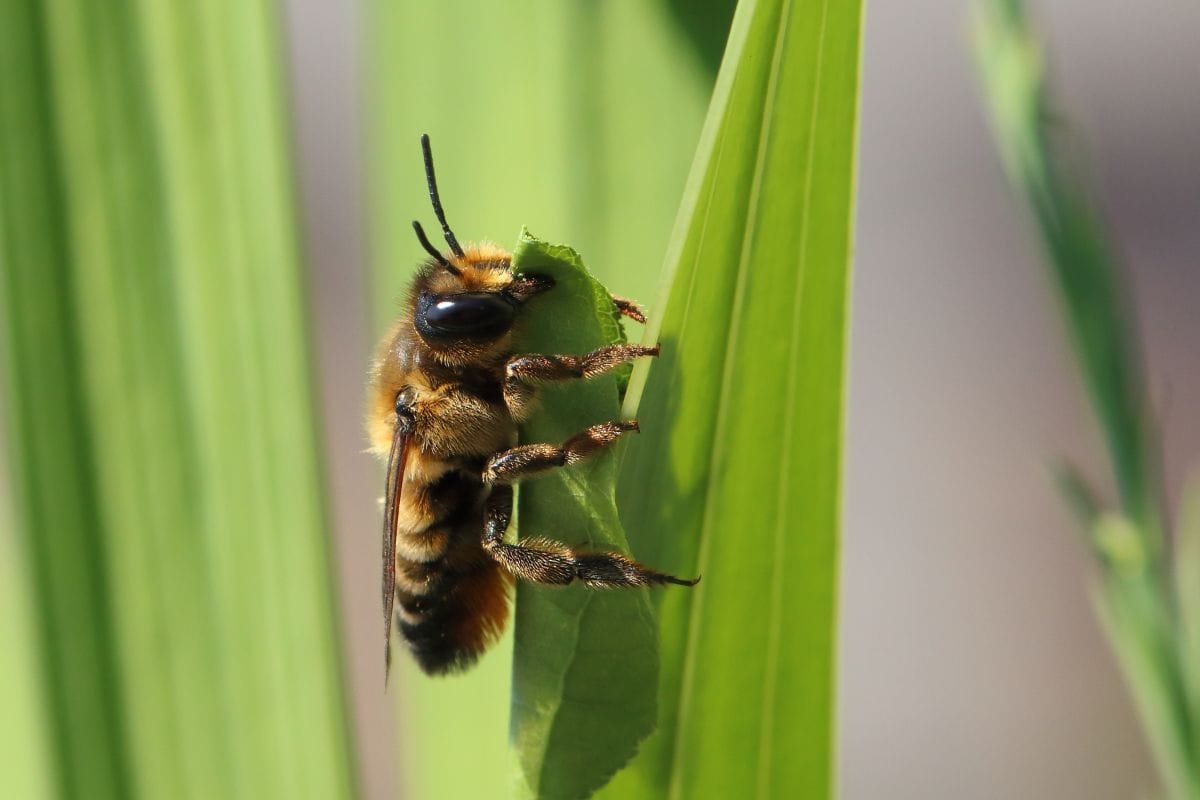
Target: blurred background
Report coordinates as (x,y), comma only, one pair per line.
(972,665)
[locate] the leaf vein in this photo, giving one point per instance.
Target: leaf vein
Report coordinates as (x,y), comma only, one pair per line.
(722,417)
(771,678)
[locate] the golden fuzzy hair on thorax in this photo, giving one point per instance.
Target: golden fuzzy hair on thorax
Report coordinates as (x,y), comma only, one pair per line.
(483,267)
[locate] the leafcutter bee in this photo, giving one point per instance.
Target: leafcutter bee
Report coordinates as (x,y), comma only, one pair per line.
(446,395)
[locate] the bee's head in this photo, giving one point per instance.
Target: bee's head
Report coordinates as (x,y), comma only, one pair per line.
(467,296)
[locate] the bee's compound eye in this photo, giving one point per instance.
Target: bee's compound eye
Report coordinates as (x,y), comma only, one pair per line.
(475,314)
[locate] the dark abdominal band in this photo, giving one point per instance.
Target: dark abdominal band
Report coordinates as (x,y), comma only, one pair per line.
(440,602)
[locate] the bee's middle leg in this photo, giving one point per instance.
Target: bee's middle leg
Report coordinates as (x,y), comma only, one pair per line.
(520,462)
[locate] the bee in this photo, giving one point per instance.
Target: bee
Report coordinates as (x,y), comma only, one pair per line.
(446,395)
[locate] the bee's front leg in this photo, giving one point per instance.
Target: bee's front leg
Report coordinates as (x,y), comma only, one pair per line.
(522,373)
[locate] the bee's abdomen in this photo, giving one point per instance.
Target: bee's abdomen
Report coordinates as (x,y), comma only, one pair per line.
(448,629)
(452,598)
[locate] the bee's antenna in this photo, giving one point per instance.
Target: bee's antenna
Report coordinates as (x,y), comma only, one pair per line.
(429,248)
(437,201)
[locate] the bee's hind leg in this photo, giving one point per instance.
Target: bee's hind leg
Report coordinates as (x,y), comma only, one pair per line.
(553,563)
(520,462)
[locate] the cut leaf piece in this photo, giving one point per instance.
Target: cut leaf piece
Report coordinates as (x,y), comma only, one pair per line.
(585,662)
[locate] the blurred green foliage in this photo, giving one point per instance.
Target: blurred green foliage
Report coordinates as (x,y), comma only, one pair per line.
(158,403)
(1147,598)
(24,753)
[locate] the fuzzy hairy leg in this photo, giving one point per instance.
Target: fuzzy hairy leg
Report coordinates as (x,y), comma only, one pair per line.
(553,563)
(522,373)
(521,462)
(628,308)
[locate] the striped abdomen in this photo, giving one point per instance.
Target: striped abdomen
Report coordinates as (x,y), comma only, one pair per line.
(451,596)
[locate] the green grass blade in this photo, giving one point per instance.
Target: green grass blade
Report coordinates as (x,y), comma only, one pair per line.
(24,745)
(164,429)
(1130,608)
(1138,601)
(1095,299)
(736,475)
(50,449)
(706,23)
(1187,594)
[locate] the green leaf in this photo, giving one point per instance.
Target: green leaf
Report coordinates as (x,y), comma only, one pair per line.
(1187,594)
(1130,608)
(24,751)
(1082,502)
(1078,495)
(1095,298)
(49,447)
(737,473)
(1141,611)
(159,402)
(585,662)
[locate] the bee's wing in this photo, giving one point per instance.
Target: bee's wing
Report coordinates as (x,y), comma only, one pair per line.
(395,484)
